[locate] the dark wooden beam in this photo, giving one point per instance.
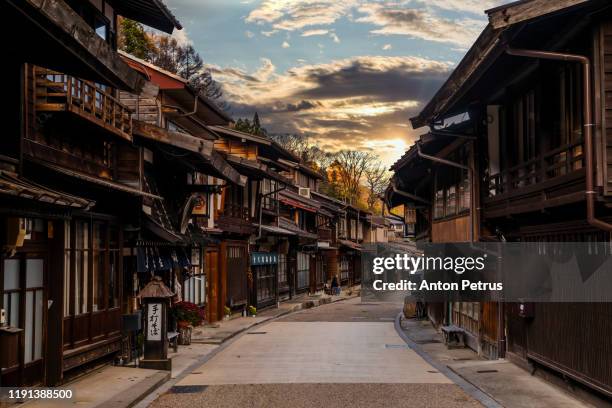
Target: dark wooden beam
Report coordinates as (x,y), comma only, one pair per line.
(177,139)
(502,17)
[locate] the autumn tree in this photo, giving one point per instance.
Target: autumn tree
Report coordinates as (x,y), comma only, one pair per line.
(376,181)
(351,166)
(295,143)
(184,60)
(134,40)
(167,53)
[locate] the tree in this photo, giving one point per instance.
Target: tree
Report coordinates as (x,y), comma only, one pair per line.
(166,52)
(351,166)
(296,144)
(253,127)
(376,181)
(134,40)
(185,61)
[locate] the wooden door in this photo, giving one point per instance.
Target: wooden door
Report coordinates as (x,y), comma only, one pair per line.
(490,322)
(25,301)
(236,256)
(214,309)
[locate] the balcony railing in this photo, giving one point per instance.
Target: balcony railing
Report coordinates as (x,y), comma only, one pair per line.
(325,234)
(549,166)
(58,92)
(236,211)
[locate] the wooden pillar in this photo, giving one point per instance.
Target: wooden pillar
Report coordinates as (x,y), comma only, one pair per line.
(55,314)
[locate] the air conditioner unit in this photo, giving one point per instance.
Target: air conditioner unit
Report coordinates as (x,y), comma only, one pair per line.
(304,192)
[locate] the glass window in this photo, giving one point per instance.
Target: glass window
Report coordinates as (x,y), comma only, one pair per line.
(11,274)
(282,269)
(451,201)
(34,273)
(303,270)
(439,204)
(464,193)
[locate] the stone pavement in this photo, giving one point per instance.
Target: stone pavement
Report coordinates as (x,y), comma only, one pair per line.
(506,383)
(226,329)
(116,387)
(345,354)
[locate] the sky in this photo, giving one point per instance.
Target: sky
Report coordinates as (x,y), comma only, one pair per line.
(347,73)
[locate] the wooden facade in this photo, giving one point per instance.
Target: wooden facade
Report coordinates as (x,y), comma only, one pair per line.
(527,101)
(61,265)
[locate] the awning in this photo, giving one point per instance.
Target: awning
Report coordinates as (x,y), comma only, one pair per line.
(153,258)
(350,244)
(324,245)
(157,218)
(52,35)
(273,230)
(13,185)
(293,227)
(292,199)
(326,213)
(160,231)
(331,204)
(201,151)
(255,170)
(95,180)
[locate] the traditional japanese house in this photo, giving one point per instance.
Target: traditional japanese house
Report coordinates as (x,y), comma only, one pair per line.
(62,261)
(434,184)
(329,216)
(379,230)
(298,213)
(350,236)
(534,91)
(239,220)
(176,151)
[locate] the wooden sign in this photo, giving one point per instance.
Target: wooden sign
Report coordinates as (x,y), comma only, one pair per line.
(154,321)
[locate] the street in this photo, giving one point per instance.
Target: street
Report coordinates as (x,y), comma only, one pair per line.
(338,355)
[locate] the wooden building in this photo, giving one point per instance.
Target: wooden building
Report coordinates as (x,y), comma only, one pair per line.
(526,112)
(176,151)
(257,158)
(61,266)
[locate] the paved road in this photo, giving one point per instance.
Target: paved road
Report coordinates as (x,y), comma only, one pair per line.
(346,354)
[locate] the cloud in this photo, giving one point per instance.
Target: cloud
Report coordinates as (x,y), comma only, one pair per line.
(269,33)
(291,15)
(419,23)
(182,37)
(470,6)
(359,102)
(387,47)
(310,33)
(422,19)
(249,34)
(285,44)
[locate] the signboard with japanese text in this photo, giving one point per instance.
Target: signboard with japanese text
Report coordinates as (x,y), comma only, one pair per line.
(154,321)
(264,258)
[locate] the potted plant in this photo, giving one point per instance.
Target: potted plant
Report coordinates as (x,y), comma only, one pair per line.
(252,310)
(227,311)
(187,316)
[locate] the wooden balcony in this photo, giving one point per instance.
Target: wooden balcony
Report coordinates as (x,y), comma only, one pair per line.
(56,92)
(325,234)
(235,219)
(555,178)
